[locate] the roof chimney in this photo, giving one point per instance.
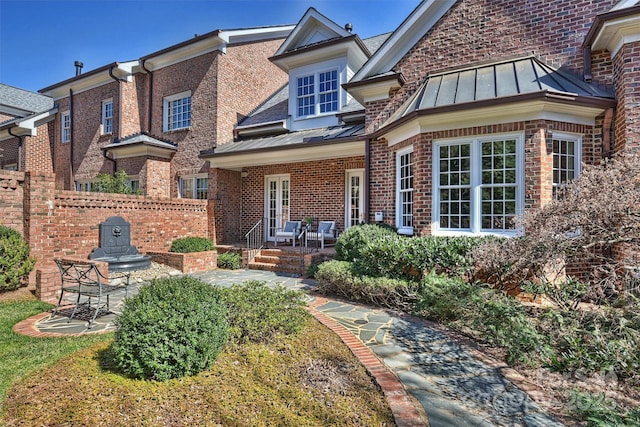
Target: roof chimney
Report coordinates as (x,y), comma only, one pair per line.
(348,27)
(79,66)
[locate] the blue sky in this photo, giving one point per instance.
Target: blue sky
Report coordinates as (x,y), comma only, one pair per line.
(41,39)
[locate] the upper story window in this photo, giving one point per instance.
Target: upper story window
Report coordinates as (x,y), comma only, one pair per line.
(65,122)
(177,111)
(566,159)
(478,184)
(317,93)
(107,116)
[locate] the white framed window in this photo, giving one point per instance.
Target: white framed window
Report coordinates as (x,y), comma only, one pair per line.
(567,159)
(317,93)
(133,183)
(194,186)
(478,184)
(83,185)
(65,125)
(404,191)
(177,111)
(107,116)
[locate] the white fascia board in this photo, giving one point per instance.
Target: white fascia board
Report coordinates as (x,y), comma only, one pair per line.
(421,20)
(508,113)
(289,155)
(137,150)
(351,50)
(375,91)
(123,70)
(187,52)
(257,34)
(29,126)
(616,33)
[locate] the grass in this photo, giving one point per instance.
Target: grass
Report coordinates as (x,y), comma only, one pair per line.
(306,379)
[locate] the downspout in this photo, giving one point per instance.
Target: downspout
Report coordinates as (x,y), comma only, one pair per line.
(71,135)
(20,142)
(367,173)
(150,113)
(117,134)
(606,133)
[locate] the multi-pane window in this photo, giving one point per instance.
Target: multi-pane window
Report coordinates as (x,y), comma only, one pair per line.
(177,111)
(566,160)
(65,120)
(194,187)
(317,93)
(306,96)
(478,185)
(107,116)
(83,185)
(328,91)
(404,185)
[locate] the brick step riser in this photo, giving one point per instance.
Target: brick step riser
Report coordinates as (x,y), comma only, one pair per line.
(280,268)
(276,260)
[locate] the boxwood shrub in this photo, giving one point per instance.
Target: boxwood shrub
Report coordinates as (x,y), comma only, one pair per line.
(352,242)
(172,328)
(230,261)
(192,244)
(15,262)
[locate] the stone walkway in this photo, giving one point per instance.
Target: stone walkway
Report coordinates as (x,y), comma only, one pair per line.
(428,377)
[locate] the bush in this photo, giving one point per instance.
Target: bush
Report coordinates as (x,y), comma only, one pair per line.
(410,258)
(230,261)
(258,313)
(172,328)
(492,316)
(351,243)
(192,244)
(15,262)
(117,183)
(337,278)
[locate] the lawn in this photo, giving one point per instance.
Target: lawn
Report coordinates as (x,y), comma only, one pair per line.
(306,379)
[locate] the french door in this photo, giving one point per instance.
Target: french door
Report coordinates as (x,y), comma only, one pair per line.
(276,203)
(354,198)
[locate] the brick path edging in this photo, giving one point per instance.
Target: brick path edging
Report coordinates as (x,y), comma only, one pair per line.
(406,411)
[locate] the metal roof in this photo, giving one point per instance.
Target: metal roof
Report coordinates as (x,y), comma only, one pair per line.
(290,140)
(494,81)
(20,99)
(144,139)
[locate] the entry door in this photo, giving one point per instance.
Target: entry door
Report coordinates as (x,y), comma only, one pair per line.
(276,203)
(354,197)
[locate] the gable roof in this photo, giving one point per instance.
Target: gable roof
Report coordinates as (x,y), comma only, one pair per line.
(312,28)
(141,144)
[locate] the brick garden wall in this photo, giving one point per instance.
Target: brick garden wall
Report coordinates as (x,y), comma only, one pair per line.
(11,200)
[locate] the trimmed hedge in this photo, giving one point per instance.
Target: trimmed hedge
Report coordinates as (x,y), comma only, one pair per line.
(15,262)
(172,328)
(192,244)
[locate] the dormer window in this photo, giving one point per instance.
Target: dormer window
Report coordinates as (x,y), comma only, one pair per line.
(317,93)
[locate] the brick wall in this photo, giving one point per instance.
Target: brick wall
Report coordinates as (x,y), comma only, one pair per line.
(11,200)
(9,152)
(317,189)
(627,77)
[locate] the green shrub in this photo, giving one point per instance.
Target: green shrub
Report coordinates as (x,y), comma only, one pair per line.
(350,243)
(15,262)
(172,328)
(410,258)
(192,244)
(337,278)
(118,183)
(257,313)
(489,315)
(230,261)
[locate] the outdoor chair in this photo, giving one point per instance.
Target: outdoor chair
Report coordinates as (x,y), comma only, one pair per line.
(289,232)
(85,280)
(326,232)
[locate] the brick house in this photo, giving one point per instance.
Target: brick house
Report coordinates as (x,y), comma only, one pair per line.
(469,113)
(152,116)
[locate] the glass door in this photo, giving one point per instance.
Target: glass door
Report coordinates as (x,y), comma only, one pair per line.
(354,198)
(276,204)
